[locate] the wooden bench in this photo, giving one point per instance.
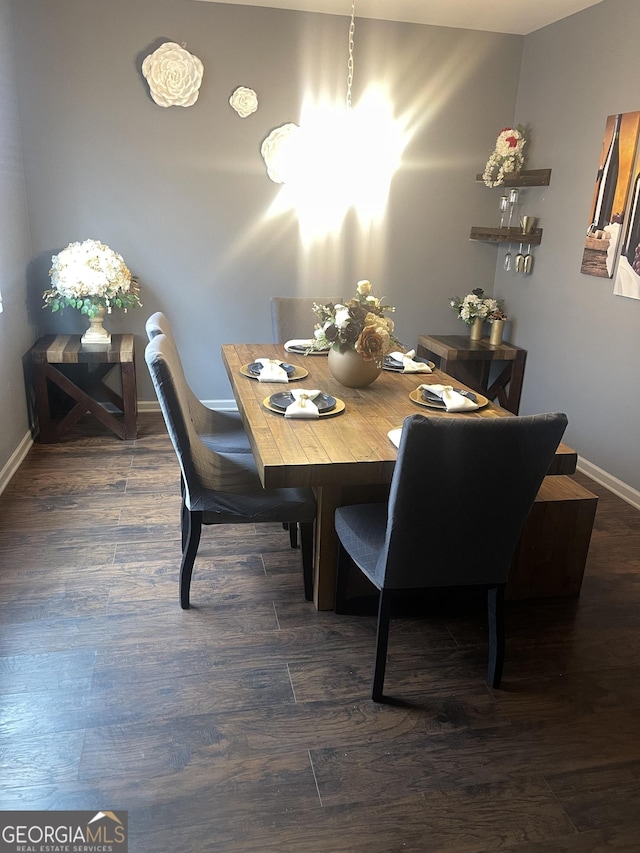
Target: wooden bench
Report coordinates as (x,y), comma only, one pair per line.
(551,555)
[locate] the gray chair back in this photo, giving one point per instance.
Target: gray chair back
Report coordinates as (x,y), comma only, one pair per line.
(461,491)
(157,324)
(221,431)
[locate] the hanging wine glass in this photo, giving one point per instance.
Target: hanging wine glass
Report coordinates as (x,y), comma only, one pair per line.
(511,200)
(504,205)
(528,261)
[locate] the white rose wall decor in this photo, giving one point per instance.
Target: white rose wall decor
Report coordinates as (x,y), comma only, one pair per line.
(277,151)
(244,101)
(174,75)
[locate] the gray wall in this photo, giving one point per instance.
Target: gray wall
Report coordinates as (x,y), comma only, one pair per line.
(583,342)
(16,335)
(182,193)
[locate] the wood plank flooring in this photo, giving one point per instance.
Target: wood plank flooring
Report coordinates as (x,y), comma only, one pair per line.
(245,724)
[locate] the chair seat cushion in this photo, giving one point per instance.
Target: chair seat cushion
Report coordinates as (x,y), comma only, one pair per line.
(222,431)
(361,529)
(243,498)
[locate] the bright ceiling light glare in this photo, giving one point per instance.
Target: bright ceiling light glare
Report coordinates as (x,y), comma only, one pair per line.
(342,159)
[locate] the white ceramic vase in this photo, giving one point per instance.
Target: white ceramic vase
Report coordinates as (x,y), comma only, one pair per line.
(96,333)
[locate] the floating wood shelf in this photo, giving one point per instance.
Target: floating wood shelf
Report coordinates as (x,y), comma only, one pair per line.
(525,178)
(506,235)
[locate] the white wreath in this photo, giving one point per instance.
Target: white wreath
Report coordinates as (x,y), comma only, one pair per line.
(507,157)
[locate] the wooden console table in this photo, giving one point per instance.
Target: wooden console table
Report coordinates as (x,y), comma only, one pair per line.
(470,362)
(86,388)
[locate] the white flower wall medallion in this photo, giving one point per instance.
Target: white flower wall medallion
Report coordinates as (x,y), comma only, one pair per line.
(244,101)
(174,75)
(278,152)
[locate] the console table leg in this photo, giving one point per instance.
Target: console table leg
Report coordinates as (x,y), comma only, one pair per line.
(46,427)
(129,400)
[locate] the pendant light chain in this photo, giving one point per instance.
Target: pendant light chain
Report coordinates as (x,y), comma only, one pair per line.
(352,29)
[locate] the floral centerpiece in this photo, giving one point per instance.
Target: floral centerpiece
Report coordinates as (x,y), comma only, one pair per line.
(475,306)
(357,335)
(90,276)
(358,324)
(508,156)
(93,279)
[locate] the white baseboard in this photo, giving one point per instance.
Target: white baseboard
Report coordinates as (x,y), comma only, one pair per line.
(622,490)
(218,405)
(15,460)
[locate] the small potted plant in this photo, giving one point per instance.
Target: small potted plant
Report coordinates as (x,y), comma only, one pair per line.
(474,309)
(497,319)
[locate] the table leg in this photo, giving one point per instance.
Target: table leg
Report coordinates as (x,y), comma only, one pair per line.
(129,399)
(517,377)
(46,427)
(324,569)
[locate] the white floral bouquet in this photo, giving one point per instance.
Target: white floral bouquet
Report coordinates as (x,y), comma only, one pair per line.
(358,324)
(476,305)
(90,276)
(508,156)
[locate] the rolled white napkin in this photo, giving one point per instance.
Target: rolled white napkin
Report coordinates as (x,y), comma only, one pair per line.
(295,343)
(271,370)
(303,405)
(394,436)
(408,364)
(453,401)
(298,342)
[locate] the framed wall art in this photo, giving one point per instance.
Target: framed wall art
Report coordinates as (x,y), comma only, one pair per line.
(608,213)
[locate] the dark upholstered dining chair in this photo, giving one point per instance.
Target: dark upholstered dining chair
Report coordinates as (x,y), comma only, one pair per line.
(221,431)
(219,488)
(293,317)
(460,493)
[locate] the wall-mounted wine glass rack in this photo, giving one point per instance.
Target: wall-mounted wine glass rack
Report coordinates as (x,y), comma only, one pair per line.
(526,178)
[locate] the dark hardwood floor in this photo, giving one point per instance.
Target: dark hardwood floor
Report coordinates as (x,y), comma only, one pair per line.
(245,724)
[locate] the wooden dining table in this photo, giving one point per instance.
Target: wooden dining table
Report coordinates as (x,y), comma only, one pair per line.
(346,457)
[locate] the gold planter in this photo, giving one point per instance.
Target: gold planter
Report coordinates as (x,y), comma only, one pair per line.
(350,369)
(497,330)
(476,329)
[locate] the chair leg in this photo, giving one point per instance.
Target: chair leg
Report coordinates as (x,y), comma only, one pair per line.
(293,534)
(191,529)
(343,567)
(495,609)
(306,545)
(382,641)
(184,512)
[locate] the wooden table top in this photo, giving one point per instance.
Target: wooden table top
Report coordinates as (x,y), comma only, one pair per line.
(68,349)
(348,448)
(462,348)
